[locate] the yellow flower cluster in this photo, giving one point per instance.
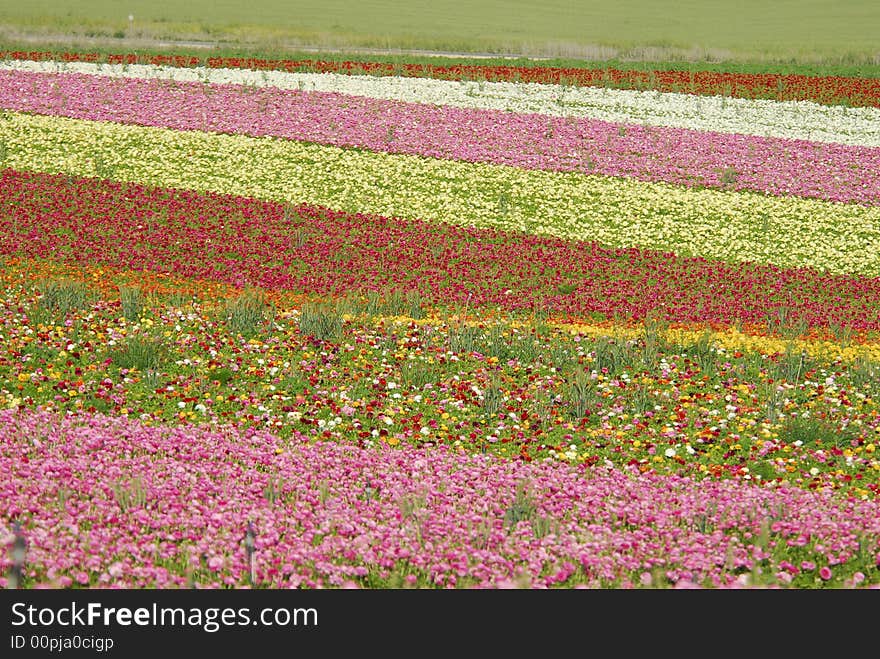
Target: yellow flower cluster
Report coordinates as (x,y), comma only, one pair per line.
(733,226)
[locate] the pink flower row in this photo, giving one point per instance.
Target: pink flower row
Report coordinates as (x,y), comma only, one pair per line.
(777,166)
(108,502)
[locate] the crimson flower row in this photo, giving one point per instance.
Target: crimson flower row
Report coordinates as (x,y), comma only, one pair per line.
(243,241)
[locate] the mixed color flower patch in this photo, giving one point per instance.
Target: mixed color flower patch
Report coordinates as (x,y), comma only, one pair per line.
(434,331)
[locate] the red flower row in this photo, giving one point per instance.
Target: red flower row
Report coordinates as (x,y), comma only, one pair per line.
(313,250)
(777,86)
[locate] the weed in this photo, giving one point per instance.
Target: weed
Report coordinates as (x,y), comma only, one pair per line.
(416,374)
(222,375)
(246,313)
(131,494)
(321,321)
(59,297)
(728,176)
(464,339)
(132,300)
(524,509)
(138,352)
(813,432)
(580,395)
(864,372)
(493,397)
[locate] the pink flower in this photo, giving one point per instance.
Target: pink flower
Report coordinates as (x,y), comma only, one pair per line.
(856,579)
(825,573)
(784,577)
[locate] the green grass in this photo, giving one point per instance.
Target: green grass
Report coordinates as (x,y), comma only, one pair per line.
(786,31)
(274,52)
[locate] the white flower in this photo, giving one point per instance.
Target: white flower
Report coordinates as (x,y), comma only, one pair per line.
(787,119)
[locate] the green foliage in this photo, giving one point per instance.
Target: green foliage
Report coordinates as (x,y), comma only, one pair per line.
(322,321)
(275,492)
(818,433)
(524,509)
(728,176)
(580,395)
(416,373)
(865,372)
(464,339)
(222,375)
(130,494)
(782,322)
(133,302)
(246,313)
(493,398)
(138,351)
(60,297)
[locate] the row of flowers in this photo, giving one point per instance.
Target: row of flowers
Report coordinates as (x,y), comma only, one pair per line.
(657,400)
(619,212)
(316,251)
(800,120)
(111,503)
(835,172)
(360,443)
(843,345)
(825,89)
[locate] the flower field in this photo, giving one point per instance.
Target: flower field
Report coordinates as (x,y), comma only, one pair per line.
(414,326)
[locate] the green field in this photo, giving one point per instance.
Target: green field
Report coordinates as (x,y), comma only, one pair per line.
(749,30)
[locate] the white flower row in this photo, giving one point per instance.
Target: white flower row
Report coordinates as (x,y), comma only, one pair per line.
(785,119)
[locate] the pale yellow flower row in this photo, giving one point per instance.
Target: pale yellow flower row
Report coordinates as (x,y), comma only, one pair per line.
(735,226)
